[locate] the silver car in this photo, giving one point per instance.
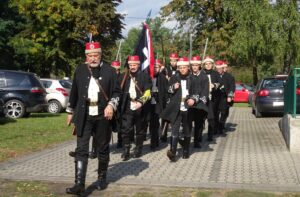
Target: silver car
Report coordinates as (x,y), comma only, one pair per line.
(58,91)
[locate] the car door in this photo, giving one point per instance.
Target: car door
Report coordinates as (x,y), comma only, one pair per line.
(240,94)
(2,85)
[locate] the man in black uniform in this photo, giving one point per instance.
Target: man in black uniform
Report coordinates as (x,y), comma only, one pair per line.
(93,99)
(214,84)
(135,94)
(169,72)
(199,111)
(183,90)
(157,103)
(227,92)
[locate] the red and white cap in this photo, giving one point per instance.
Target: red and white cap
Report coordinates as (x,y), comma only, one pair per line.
(208,59)
(183,61)
(196,60)
(92,47)
(174,56)
(225,63)
(219,64)
(116,64)
(157,62)
(133,59)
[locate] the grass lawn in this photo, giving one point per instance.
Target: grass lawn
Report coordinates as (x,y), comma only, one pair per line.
(241,105)
(26,135)
(35,188)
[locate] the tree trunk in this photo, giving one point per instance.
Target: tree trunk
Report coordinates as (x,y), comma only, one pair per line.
(254,72)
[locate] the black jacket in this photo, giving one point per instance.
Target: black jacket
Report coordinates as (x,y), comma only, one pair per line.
(173,107)
(78,102)
(170,71)
(202,86)
(216,80)
(161,96)
(228,84)
(144,83)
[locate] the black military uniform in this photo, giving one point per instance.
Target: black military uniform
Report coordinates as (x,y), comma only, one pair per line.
(214,79)
(85,123)
(226,90)
(177,112)
(158,103)
(199,111)
(134,118)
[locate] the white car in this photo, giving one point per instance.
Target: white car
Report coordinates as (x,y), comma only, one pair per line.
(58,91)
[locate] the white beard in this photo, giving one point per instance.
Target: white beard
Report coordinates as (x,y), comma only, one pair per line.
(94,65)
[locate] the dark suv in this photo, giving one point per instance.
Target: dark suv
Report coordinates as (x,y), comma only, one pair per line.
(22,93)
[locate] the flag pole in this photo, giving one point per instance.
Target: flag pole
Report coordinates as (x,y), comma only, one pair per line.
(191,46)
(119,49)
(206,42)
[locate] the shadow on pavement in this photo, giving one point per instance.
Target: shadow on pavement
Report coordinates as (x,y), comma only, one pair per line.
(230,127)
(118,171)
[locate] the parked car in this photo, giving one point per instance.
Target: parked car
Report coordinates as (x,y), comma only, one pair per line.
(1,107)
(242,92)
(57,94)
(22,93)
(268,96)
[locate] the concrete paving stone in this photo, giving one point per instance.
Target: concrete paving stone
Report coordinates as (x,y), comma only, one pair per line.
(253,156)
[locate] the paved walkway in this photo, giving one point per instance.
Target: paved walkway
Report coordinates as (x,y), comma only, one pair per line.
(253,155)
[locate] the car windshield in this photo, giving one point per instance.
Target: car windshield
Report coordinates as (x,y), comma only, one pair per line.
(65,84)
(248,87)
(239,87)
(273,83)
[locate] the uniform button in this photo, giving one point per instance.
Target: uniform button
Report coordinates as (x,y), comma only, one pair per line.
(82,106)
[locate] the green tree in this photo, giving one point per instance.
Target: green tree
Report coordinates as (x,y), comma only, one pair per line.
(204,19)
(10,24)
(288,31)
(53,38)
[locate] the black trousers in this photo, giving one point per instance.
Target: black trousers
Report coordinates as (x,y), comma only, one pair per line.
(101,127)
(198,117)
(184,119)
(132,121)
(154,126)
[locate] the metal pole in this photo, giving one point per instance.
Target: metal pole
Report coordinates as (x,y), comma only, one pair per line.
(206,42)
(191,46)
(119,49)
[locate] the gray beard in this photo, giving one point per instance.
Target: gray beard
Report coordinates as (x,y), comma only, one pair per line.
(94,65)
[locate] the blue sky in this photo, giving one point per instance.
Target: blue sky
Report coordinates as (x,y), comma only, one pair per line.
(137,10)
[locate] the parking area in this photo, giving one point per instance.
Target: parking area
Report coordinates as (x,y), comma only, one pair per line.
(252,155)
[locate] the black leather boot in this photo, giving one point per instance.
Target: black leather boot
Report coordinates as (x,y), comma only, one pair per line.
(196,139)
(139,146)
(186,148)
(72,153)
(102,171)
(119,143)
(210,133)
(172,152)
(164,132)
(80,174)
(126,154)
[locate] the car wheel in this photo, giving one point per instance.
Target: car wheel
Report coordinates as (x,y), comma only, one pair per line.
(257,114)
(14,109)
(54,107)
